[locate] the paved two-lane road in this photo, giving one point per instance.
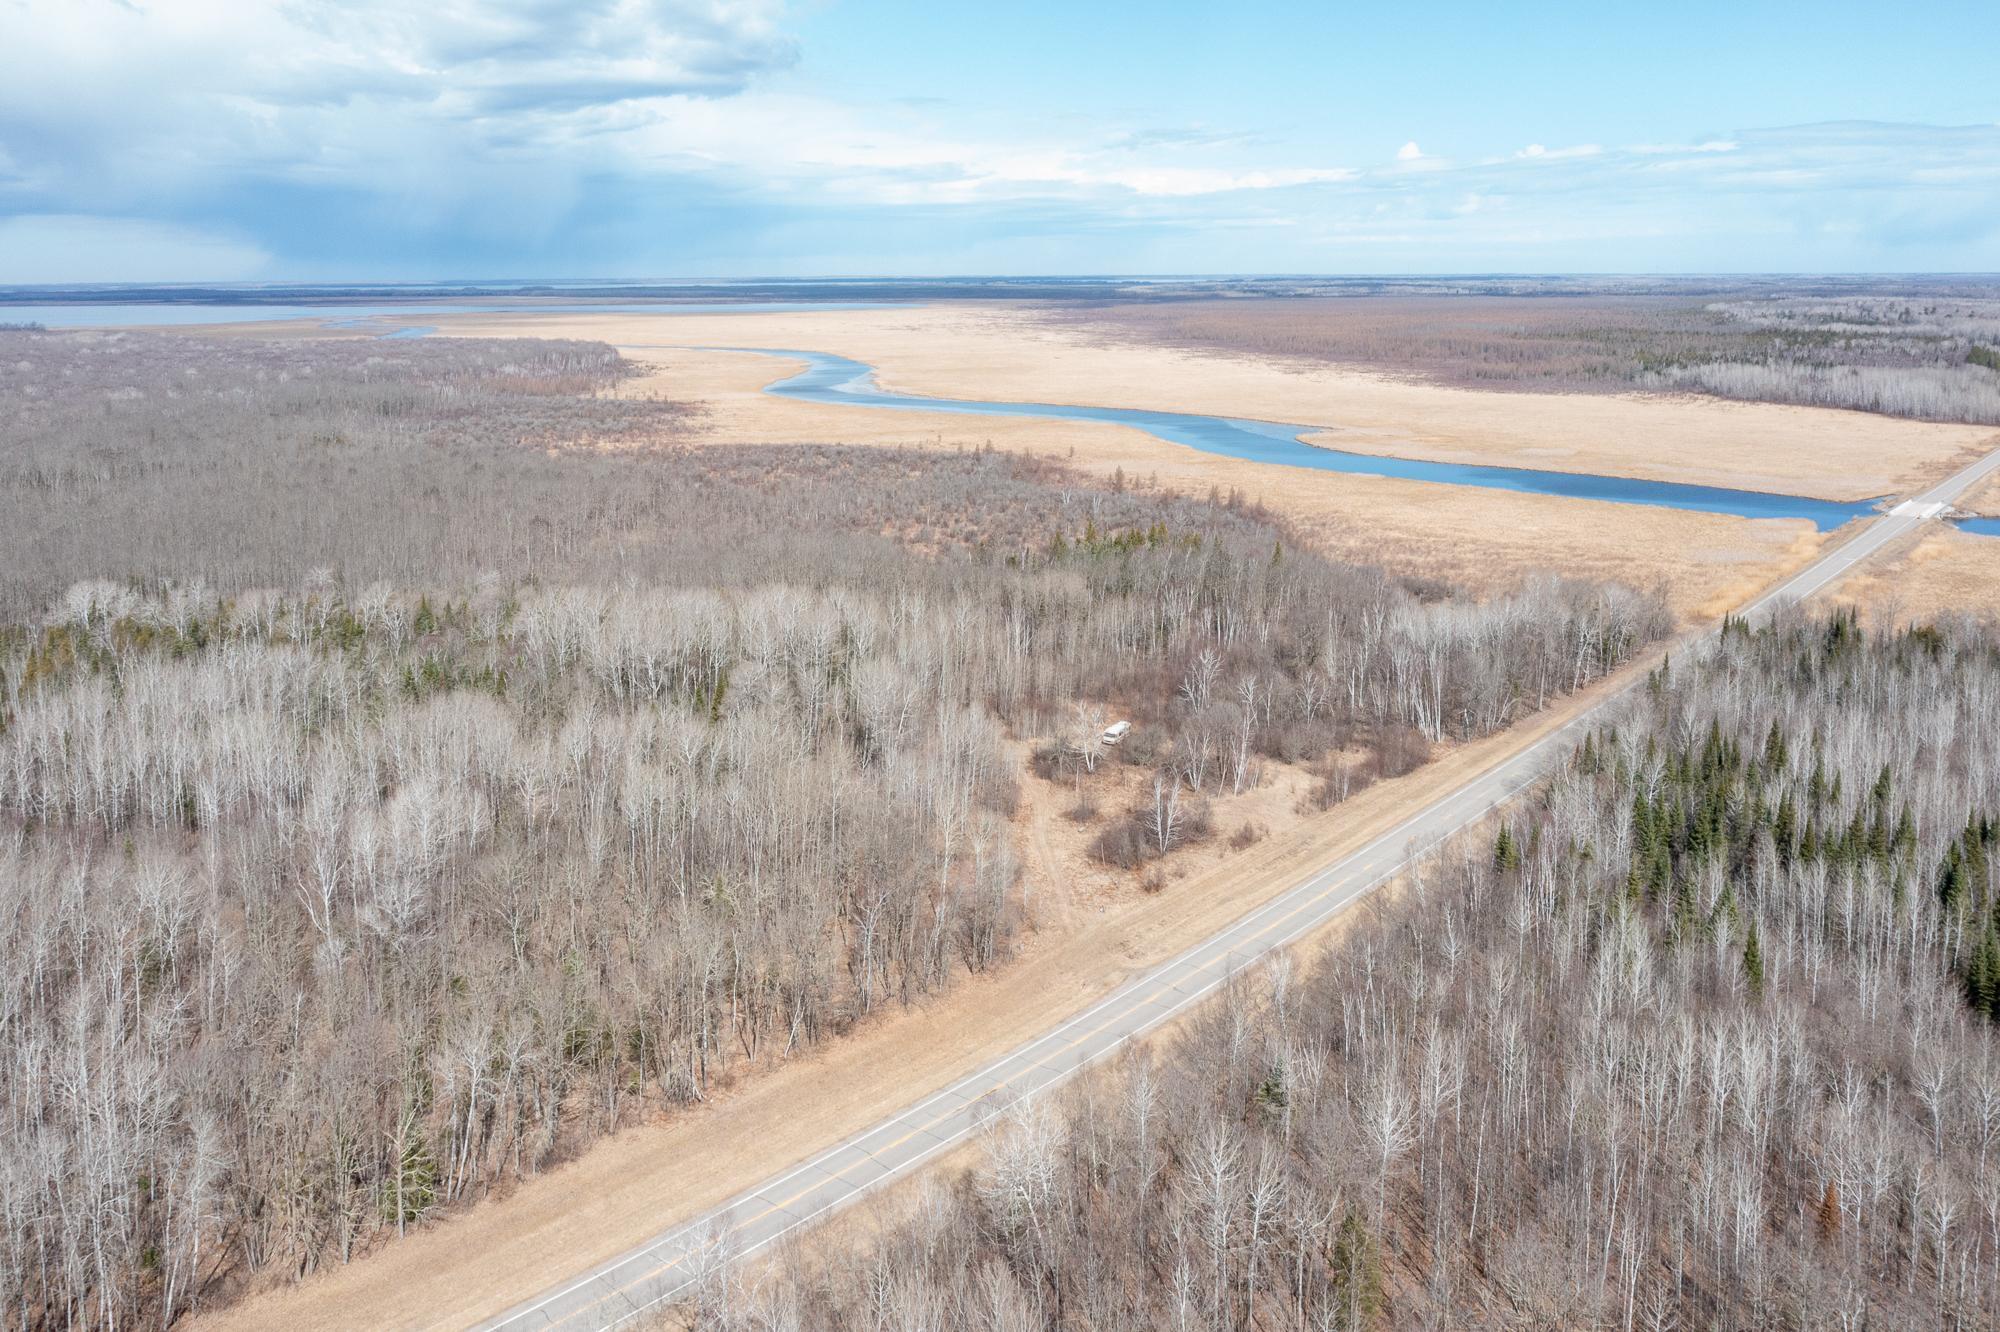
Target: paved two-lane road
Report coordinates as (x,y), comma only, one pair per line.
(623,1288)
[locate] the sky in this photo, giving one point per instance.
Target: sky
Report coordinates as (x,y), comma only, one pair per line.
(384,140)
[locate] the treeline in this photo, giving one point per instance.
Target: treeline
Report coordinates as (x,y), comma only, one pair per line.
(1695,1039)
(1925,358)
(362,857)
(1929,356)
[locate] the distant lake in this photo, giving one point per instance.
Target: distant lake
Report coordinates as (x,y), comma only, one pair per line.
(335,314)
(836,379)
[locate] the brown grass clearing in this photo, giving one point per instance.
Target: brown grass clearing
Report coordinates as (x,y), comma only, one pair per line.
(1484,539)
(1024,353)
(1985,500)
(1933,572)
(1488,540)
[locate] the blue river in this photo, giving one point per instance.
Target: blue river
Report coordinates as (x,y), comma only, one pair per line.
(836,379)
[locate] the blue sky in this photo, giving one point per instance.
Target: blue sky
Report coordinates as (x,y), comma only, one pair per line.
(164,140)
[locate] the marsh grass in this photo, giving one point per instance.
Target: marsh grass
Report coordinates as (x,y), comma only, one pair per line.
(1925,357)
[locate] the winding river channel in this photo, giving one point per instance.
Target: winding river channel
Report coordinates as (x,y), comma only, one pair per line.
(828,378)
(837,379)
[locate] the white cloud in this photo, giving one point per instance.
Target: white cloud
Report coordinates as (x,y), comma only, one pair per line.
(467,125)
(1172,181)
(1545,153)
(114,103)
(439,110)
(1677,149)
(897,154)
(465,56)
(1774,197)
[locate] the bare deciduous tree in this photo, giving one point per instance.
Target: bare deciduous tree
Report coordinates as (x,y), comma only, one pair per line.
(1565,1098)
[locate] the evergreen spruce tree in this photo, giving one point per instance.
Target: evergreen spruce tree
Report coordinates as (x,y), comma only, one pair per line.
(1979,971)
(1357,1274)
(1951,882)
(1660,870)
(1774,749)
(1753,962)
(1687,917)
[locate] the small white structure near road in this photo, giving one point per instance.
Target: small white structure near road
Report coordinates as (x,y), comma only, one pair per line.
(1116,732)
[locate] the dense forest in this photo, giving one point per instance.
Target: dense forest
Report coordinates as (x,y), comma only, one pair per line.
(418,759)
(1699,1037)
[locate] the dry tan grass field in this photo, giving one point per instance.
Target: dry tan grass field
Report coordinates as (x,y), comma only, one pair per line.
(1018,354)
(1985,500)
(1938,572)
(1486,539)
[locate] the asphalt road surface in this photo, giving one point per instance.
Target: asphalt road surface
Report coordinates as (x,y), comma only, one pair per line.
(624,1288)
